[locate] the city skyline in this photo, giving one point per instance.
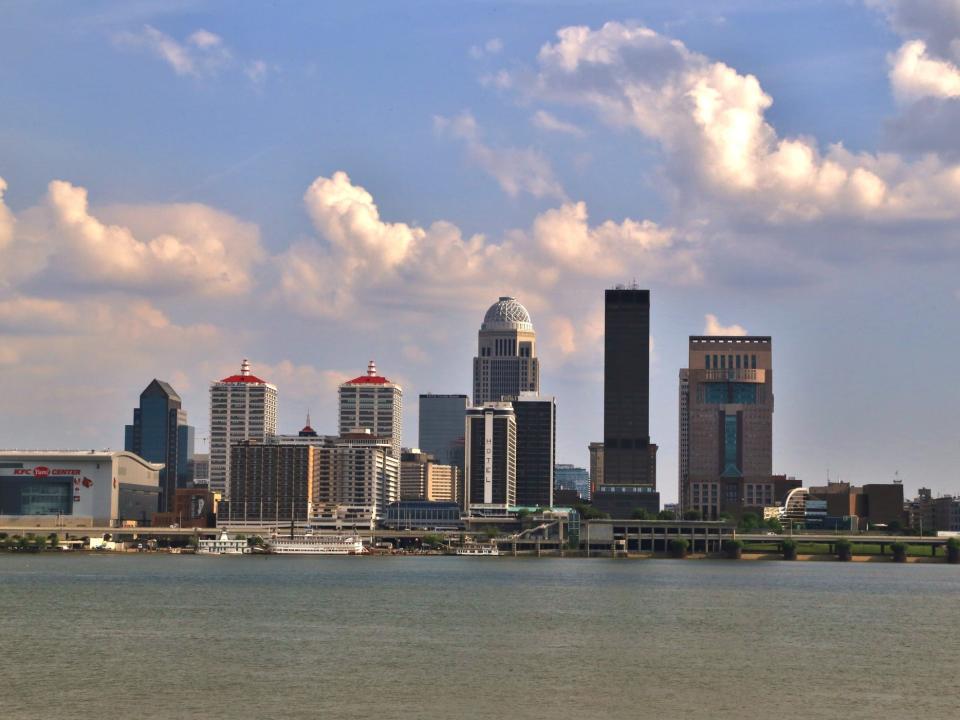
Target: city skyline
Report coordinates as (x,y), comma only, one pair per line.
(216,195)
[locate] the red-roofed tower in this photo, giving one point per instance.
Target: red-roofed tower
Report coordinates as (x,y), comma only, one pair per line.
(372,401)
(242,407)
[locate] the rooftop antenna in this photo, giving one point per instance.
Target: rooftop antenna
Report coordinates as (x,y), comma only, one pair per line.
(896,477)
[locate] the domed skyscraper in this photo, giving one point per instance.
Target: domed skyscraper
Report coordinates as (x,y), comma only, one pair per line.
(506,362)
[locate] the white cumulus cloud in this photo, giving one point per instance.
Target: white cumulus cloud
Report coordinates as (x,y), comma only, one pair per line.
(713,327)
(202,54)
(517,170)
(710,122)
(149,248)
(546,121)
(914,74)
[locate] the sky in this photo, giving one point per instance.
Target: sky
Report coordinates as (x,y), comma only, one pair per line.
(314,185)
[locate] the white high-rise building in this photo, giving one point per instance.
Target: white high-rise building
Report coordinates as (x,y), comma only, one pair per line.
(242,407)
(357,478)
(506,363)
(374,403)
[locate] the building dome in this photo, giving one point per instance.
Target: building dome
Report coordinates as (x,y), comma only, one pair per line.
(507,314)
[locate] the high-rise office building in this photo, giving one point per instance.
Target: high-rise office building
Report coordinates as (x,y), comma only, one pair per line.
(490,481)
(726,426)
(506,362)
(536,418)
(372,402)
(242,407)
(160,434)
(442,426)
(596,464)
(271,483)
(626,389)
(629,479)
(422,478)
(570,477)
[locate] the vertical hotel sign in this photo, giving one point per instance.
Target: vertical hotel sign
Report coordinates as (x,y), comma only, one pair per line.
(488,457)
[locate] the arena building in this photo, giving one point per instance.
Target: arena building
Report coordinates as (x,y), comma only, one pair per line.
(76,488)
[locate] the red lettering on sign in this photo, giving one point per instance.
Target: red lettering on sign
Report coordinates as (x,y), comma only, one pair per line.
(41,471)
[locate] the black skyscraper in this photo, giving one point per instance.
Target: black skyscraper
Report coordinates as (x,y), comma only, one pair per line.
(536,442)
(629,458)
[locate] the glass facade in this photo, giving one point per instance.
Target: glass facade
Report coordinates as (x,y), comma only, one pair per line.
(160,434)
(730,465)
(442,426)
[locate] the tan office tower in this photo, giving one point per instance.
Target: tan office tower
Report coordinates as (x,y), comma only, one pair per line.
(506,362)
(242,407)
(421,478)
(372,402)
(726,426)
(596,464)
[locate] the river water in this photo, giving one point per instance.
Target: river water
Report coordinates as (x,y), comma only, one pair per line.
(160,636)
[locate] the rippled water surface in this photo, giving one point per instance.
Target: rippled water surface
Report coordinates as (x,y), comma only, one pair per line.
(163,636)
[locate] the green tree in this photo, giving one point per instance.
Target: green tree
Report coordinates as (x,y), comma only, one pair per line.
(39,544)
(666,515)
(953,550)
(748,522)
(789,548)
(775,525)
(640,514)
(54,540)
(589,512)
(22,542)
(193,541)
(522,513)
(725,517)
(432,540)
(844,550)
(491,531)
(692,515)
(899,550)
(733,549)
(678,548)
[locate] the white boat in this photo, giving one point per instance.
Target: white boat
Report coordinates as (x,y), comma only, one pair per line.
(310,544)
(478,550)
(223,545)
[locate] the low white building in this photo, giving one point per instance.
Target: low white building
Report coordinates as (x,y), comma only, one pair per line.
(76,488)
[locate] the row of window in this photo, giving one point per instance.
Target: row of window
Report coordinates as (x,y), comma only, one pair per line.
(730,362)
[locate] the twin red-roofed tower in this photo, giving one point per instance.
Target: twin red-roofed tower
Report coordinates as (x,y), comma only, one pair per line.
(373,403)
(242,407)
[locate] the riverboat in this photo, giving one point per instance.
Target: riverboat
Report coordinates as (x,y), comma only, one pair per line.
(310,544)
(478,550)
(223,545)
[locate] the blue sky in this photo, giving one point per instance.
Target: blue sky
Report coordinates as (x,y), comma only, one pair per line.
(692,146)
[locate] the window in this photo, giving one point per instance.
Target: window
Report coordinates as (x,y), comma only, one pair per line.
(707,360)
(753,362)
